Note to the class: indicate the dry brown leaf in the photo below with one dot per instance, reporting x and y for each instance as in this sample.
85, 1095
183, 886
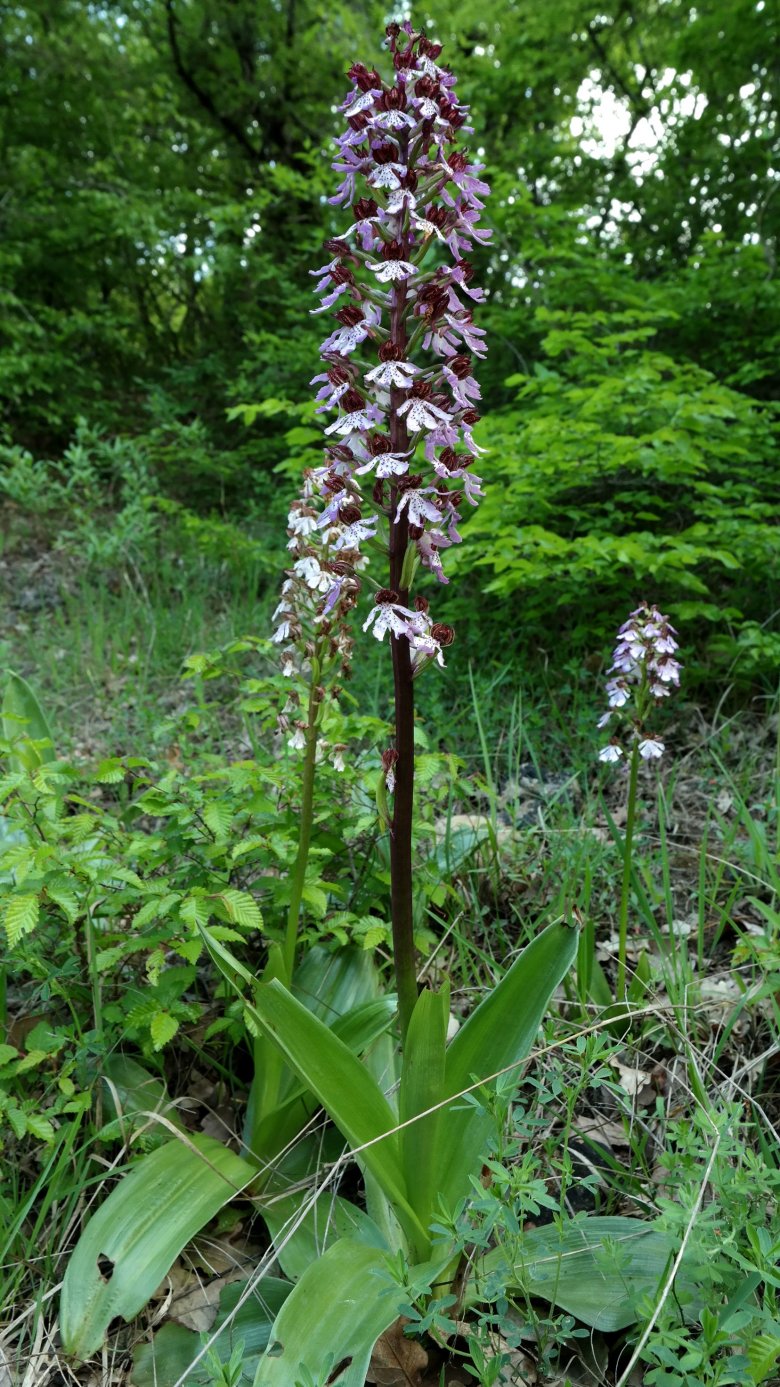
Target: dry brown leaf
197, 1308
634, 1081
396, 1360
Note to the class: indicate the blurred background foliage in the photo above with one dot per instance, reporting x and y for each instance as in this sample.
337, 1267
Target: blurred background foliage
165, 176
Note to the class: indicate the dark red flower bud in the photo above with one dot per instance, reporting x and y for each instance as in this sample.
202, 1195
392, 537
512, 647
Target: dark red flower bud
384, 595
403, 61
421, 390
364, 79
350, 315
438, 215
392, 250
421, 604
470, 416
338, 375
389, 759
336, 247
409, 180
458, 161
408, 483
460, 366
390, 351
393, 100
364, 209
441, 633
341, 275
449, 458
416, 532
358, 122
384, 154
429, 49
392, 31
340, 452
378, 492
441, 401
379, 443
349, 513
427, 87
352, 400
466, 268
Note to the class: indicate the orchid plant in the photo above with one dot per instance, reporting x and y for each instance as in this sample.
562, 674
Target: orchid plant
643, 673
417, 1119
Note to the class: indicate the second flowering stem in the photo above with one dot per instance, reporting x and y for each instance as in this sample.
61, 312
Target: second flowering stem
633, 777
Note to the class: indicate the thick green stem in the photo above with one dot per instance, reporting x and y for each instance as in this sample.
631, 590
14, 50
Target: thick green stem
633, 776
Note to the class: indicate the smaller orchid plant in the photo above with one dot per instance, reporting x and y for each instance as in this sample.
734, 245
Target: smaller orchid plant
643, 672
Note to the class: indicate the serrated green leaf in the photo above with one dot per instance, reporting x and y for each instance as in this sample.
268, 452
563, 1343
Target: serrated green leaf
40, 1127
240, 907
218, 814
195, 911
763, 1353
60, 889
21, 917
162, 1028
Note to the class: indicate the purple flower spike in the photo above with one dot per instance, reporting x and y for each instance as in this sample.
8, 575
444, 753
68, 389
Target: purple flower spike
643, 671
397, 363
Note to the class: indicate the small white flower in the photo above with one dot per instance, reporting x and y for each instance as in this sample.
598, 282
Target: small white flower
356, 422
389, 373
390, 270
650, 749
618, 693
389, 616
337, 757
604, 719
297, 742
282, 633
386, 176
362, 103
611, 752
423, 415
386, 464
418, 507
309, 570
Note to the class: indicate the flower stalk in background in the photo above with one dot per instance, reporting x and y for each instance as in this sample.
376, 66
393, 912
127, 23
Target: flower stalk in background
643, 672
397, 375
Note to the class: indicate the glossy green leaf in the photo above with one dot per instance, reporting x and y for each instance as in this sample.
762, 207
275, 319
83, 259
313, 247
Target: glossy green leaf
598, 1269
343, 1086
335, 1315
132, 1241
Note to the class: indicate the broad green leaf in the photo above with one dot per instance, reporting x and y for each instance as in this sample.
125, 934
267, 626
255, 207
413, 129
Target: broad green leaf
598, 1269
422, 1086
132, 1241
499, 1034
24, 725
339, 1308
344, 1088
162, 1028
